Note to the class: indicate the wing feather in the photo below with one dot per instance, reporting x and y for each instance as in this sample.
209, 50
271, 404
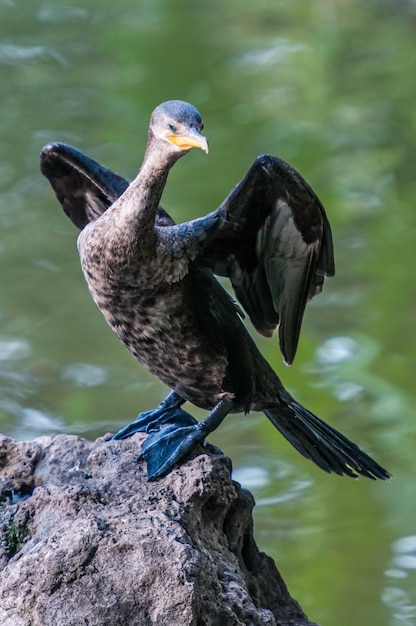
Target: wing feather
275, 244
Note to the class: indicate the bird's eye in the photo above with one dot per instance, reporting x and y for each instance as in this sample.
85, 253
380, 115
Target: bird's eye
172, 127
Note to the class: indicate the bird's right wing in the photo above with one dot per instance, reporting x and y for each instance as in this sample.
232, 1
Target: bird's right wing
84, 187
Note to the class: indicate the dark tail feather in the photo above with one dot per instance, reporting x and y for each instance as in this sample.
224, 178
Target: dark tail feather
321, 443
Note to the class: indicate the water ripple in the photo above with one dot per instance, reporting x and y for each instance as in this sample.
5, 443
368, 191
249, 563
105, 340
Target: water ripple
12, 349
400, 598
14, 54
85, 375
278, 49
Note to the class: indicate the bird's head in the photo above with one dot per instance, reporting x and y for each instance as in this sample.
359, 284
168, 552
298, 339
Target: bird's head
179, 125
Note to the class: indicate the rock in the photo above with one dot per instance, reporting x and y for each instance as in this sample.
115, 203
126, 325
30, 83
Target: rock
86, 540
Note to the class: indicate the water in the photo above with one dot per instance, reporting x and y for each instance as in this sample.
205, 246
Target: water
328, 86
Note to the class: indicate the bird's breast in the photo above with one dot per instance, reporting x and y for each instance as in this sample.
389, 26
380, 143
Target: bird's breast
158, 322
161, 332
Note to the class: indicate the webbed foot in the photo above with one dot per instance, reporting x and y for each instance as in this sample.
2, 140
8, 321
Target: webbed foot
170, 444
168, 412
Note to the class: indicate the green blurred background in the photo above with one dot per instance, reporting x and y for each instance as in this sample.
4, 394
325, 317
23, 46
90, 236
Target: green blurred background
330, 87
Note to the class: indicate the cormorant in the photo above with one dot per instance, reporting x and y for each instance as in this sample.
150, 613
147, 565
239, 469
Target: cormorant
154, 283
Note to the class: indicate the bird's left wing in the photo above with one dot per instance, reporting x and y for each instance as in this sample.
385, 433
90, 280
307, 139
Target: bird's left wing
273, 241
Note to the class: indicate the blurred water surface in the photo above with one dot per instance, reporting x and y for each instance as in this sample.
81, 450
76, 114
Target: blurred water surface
328, 86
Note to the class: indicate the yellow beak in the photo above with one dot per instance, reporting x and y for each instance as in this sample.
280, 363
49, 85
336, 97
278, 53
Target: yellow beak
192, 140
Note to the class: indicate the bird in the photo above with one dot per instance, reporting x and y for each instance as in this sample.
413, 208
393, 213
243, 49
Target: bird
155, 281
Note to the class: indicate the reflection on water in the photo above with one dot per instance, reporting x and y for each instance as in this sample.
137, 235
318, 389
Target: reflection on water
11, 349
336, 350
15, 381
270, 53
12, 54
328, 88
34, 423
251, 477
400, 594
273, 484
85, 374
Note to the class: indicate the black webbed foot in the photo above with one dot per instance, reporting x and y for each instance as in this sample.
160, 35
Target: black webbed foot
170, 444
168, 412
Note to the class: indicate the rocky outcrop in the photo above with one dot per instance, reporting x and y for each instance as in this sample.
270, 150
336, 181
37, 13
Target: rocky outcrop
86, 540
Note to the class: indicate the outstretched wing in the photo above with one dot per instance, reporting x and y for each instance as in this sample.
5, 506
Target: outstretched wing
274, 243
84, 187
270, 236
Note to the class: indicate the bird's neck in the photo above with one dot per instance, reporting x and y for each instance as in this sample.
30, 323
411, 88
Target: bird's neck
149, 183
128, 226
137, 207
